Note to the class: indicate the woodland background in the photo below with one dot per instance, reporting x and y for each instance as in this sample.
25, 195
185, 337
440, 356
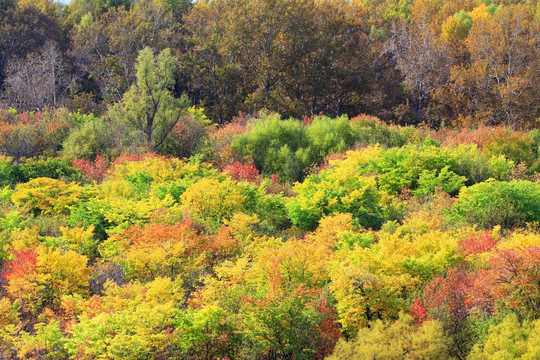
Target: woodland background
457, 63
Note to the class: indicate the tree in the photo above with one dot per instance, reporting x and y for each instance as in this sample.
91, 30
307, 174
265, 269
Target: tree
446, 299
401, 339
421, 59
494, 65
24, 30
150, 106
511, 284
503, 71
38, 80
106, 49
289, 324
45, 195
220, 203
297, 57
510, 340
491, 203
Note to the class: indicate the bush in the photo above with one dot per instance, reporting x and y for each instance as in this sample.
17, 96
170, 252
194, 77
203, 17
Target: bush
187, 134
417, 168
510, 340
32, 134
276, 146
12, 173
516, 146
369, 130
498, 203
399, 340
477, 167
93, 137
329, 193
327, 135
44, 195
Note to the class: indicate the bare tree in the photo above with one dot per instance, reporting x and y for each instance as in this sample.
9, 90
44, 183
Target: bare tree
421, 58
38, 80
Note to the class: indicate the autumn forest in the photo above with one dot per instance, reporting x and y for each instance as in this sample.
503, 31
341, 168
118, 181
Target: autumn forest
270, 179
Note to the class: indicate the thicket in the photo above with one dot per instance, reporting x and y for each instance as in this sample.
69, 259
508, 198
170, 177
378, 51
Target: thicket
275, 239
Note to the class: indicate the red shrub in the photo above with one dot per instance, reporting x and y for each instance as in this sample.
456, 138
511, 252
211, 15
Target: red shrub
95, 170
512, 283
243, 171
24, 263
478, 243
419, 312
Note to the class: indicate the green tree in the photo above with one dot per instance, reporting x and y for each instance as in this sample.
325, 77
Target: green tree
106, 48
150, 106
493, 203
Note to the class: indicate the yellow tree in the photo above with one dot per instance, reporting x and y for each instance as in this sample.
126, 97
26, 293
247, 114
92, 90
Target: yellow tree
501, 80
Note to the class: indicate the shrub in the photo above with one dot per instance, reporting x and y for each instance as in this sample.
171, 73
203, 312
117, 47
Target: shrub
93, 137
509, 340
187, 134
369, 130
478, 167
213, 207
95, 170
12, 173
329, 193
243, 171
44, 195
276, 146
327, 135
494, 202
398, 340
33, 134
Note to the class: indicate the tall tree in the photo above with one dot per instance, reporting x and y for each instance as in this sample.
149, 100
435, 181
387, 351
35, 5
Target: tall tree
38, 80
421, 59
107, 48
150, 106
297, 57
505, 65
24, 30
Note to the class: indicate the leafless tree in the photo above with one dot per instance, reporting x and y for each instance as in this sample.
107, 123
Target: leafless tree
421, 58
38, 80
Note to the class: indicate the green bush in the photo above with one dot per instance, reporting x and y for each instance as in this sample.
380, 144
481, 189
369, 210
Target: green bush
92, 137
477, 167
423, 168
12, 173
417, 168
329, 193
369, 130
494, 202
276, 146
327, 135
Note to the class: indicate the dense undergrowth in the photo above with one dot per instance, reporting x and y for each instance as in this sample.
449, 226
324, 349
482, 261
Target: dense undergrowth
270, 239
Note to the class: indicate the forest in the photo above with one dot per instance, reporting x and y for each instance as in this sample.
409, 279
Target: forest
440, 62
270, 179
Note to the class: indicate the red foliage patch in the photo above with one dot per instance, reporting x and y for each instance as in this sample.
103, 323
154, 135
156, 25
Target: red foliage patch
478, 243
24, 263
419, 312
243, 171
95, 170
329, 331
